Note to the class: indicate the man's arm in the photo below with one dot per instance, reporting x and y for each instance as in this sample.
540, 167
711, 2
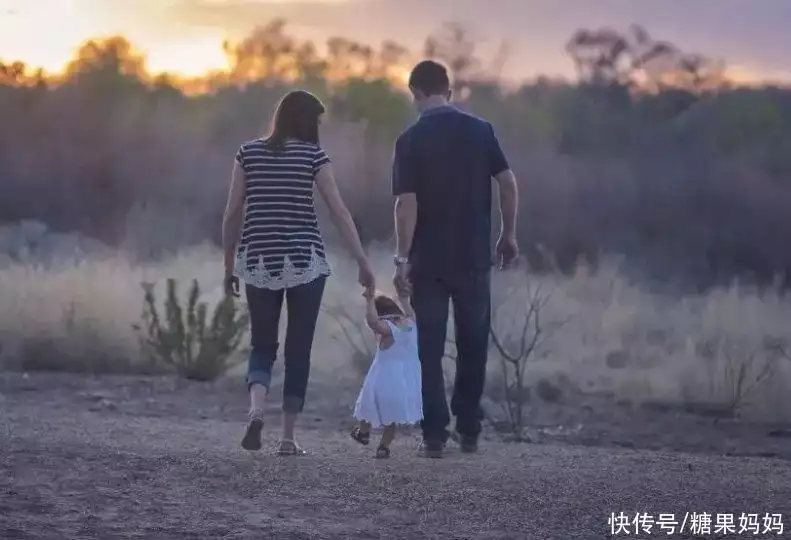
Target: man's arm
507, 249
404, 184
506, 186
509, 202
405, 221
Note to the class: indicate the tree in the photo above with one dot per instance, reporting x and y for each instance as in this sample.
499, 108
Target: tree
270, 54
13, 74
601, 57
453, 45
605, 57
349, 59
105, 58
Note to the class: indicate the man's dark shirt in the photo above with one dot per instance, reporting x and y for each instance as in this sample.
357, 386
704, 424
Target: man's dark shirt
447, 159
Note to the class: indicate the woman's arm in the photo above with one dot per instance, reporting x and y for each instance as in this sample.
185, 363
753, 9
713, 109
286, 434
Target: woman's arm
339, 214
233, 217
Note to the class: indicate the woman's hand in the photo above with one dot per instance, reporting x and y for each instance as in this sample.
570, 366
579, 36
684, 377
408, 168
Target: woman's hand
365, 275
232, 286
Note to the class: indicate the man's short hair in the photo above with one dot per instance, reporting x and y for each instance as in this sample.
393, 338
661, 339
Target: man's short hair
430, 77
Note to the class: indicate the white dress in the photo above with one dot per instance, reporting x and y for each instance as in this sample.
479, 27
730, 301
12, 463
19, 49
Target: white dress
391, 393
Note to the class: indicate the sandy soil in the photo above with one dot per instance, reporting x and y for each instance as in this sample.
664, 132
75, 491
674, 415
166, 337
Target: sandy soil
106, 458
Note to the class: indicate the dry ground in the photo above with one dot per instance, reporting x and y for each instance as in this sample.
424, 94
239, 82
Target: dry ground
106, 458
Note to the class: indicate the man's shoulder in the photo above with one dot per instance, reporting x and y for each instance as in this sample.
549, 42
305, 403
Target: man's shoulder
474, 120
456, 118
407, 133
405, 139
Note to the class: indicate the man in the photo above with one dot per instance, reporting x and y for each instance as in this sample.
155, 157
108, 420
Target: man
442, 172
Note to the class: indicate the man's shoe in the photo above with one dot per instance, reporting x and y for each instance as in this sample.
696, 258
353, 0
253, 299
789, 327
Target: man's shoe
468, 445
432, 449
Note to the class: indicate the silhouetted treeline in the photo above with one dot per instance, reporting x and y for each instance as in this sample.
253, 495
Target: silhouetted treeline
650, 154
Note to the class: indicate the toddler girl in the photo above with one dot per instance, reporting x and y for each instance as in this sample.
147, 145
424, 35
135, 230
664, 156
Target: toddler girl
391, 393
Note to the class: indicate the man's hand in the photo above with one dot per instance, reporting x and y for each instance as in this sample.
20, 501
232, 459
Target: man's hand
232, 286
507, 251
401, 281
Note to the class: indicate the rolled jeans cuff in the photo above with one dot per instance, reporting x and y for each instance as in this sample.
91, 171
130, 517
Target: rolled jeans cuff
258, 377
293, 404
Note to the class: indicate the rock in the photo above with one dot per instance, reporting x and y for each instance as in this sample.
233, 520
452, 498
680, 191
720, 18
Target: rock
530, 435
95, 396
103, 405
562, 431
548, 391
616, 359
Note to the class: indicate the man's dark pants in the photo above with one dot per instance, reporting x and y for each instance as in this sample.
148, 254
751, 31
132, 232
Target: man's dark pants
471, 298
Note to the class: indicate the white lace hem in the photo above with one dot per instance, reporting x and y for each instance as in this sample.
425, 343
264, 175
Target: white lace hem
376, 423
289, 277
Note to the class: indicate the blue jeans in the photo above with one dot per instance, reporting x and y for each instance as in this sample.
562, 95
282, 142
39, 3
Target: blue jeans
471, 297
303, 303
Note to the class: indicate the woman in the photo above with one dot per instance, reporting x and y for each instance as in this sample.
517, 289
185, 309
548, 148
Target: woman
272, 241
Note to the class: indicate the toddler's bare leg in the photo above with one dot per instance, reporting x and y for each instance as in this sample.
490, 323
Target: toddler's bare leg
387, 436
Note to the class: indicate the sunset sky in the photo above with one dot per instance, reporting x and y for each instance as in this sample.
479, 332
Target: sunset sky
186, 35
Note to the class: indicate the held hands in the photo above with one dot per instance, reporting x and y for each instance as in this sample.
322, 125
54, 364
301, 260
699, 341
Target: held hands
401, 281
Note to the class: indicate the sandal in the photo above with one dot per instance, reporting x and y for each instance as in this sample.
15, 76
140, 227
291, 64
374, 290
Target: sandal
290, 448
383, 452
360, 436
252, 435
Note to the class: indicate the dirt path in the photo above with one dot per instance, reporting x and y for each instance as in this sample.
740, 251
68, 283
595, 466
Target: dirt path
79, 468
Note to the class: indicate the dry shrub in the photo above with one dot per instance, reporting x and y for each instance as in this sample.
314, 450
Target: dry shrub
696, 352
520, 333
199, 346
619, 338
78, 316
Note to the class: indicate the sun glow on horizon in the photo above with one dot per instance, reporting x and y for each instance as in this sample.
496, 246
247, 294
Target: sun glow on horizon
190, 57
746, 76
48, 33
24, 34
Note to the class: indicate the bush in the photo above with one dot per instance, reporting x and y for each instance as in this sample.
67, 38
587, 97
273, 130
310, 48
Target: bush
184, 341
519, 332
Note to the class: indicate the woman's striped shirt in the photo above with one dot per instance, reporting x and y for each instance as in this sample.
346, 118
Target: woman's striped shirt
281, 245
